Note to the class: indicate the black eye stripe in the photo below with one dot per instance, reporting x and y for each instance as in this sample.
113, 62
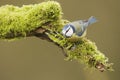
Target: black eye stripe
67, 30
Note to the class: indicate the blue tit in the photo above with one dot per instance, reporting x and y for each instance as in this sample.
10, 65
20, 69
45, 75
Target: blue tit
77, 27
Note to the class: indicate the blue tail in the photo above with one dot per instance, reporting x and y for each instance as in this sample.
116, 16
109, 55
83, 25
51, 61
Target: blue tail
92, 20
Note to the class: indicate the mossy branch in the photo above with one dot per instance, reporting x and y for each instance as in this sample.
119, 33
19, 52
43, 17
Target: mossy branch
45, 21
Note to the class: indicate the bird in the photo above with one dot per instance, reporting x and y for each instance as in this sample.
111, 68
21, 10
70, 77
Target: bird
77, 27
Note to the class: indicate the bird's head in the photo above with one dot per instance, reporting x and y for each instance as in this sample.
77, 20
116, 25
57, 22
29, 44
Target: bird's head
68, 30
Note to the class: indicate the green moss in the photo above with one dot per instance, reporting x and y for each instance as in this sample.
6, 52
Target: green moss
17, 22
82, 50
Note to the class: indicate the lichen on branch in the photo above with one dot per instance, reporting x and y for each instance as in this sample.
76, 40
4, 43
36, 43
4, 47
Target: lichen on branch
45, 21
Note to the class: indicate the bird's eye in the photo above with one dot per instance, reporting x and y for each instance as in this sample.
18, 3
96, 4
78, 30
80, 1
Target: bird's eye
67, 29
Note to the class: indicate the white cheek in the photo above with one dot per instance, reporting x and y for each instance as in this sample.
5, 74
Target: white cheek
69, 33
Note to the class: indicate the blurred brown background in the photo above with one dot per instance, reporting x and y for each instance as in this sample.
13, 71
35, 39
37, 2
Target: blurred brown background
36, 59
